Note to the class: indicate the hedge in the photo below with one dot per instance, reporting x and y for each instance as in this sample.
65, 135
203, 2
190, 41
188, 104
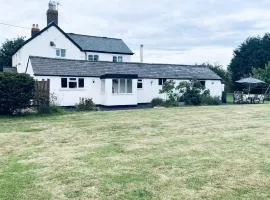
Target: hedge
16, 91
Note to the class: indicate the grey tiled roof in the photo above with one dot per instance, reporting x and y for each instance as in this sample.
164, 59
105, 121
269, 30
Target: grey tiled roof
63, 67
100, 44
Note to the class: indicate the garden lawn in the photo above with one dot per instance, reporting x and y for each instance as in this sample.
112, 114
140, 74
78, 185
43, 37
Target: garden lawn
218, 152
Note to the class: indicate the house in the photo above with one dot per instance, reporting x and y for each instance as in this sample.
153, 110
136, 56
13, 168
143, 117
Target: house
82, 66
112, 83
53, 42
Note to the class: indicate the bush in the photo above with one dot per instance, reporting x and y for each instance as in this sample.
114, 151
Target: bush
157, 102
208, 100
86, 104
16, 91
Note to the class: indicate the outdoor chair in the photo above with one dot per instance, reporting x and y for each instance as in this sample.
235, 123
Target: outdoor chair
238, 97
259, 99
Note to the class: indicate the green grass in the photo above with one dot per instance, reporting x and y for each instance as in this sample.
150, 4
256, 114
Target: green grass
229, 98
217, 152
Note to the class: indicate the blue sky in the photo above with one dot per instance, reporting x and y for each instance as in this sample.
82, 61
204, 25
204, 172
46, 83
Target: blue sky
172, 31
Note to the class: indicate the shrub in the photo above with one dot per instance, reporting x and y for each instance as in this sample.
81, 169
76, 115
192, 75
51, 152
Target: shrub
208, 100
86, 104
16, 91
157, 102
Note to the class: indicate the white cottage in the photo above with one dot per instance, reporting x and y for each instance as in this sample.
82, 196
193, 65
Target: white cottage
83, 66
115, 84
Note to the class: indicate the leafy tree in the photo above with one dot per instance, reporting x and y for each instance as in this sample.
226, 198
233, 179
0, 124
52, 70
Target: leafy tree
7, 49
224, 74
252, 53
262, 74
16, 90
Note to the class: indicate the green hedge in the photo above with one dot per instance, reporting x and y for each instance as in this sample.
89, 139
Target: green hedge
16, 91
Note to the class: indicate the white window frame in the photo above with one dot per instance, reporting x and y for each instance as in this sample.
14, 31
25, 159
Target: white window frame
119, 85
93, 56
62, 53
141, 82
118, 58
73, 80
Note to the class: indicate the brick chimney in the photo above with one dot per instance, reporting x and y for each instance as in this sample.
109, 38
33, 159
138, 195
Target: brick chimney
52, 13
35, 29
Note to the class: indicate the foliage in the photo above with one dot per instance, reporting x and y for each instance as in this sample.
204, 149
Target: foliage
224, 74
86, 104
157, 102
252, 53
209, 100
7, 49
168, 88
47, 104
16, 91
191, 93
262, 74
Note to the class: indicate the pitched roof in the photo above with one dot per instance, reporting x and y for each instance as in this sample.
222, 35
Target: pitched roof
100, 44
89, 43
82, 68
43, 30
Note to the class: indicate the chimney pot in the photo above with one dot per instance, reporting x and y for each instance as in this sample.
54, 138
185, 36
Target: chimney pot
34, 30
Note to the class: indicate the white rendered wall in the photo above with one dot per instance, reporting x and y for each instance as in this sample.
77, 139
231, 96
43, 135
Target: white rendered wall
71, 97
40, 46
216, 87
151, 89
109, 57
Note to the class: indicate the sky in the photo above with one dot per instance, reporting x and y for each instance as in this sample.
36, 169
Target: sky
172, 31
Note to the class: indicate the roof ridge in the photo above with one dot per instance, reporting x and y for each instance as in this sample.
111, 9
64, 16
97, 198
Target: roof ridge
65, 59
94, 36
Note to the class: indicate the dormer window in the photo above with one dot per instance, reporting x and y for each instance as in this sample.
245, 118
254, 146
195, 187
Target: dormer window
94, 58
117, 58
61, 53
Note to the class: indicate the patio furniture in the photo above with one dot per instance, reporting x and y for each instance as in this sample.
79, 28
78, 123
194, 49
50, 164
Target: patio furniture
250, 81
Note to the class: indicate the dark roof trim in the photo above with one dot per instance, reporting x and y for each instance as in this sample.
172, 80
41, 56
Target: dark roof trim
131, 76
43, 30
123, 76
108, 52
63, 76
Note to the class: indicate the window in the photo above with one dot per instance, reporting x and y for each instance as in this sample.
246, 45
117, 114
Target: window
93, 58
120, 58
96, 58
90, 57
64, 82
61, 52
161, 81
122, 86
202, 83
102, 86
139, 84
81, 82
117, 58
72, 82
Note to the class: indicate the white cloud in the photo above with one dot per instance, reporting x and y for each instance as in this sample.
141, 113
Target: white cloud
173, 31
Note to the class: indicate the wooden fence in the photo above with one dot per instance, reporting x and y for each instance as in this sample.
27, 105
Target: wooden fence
42, 93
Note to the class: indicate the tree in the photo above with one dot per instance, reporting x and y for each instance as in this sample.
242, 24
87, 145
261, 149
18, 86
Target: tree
252, 53
7, 49
262, 74
224, 74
